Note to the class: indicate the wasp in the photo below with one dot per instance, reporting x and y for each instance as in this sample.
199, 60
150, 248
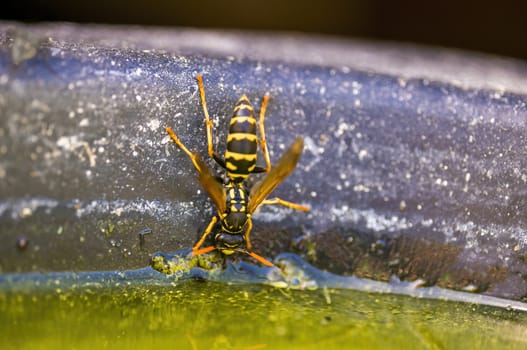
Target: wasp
234, 201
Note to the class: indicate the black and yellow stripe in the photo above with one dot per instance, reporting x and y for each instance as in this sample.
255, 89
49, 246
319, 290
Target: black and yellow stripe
235, 216
240, 155
236, 198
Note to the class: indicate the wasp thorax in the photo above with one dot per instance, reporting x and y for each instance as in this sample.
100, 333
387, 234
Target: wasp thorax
234, 221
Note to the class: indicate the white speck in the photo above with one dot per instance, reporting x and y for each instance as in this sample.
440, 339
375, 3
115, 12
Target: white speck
84, 122
363, 154
356, 87
361, 188
313, 194
470, 288
489, 174
26, 212
117, 211
154, 124
357, 103
467, 177
427, 222
341, 129
69, 142
441, 182
138, 98
300, 112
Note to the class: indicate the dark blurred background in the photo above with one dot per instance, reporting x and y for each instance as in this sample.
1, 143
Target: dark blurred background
497, 27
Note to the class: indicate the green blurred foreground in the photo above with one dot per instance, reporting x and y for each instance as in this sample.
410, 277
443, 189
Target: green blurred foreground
211, 315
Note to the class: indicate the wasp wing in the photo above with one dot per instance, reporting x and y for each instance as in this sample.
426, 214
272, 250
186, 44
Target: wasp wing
278, 173
214, 189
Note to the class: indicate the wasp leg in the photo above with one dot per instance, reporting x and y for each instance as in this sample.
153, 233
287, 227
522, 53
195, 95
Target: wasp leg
285, 204
249, 245
261, 259
248, 233
208, 230
208, 122
191, 155
203, 250
263, 142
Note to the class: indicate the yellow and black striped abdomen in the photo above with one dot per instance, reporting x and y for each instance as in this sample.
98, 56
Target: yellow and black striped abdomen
240, 156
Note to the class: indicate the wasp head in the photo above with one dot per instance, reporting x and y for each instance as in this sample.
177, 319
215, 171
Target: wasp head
228, 243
